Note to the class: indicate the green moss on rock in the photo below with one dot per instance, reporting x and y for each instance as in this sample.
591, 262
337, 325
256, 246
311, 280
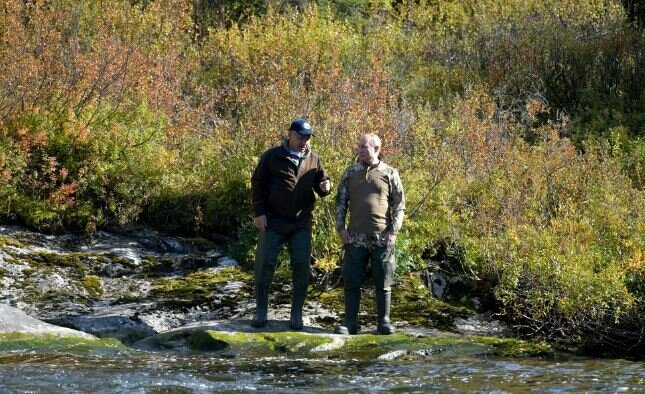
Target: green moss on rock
45, 343
197, 287
59, 297
92, 284
512, 347
358, 347
376, 346
247, 343
412, 302
205, 341
70, 260
193, 340
282, 342
115, 259
27, 272
333, 299
8, 241
149, 261
154, 267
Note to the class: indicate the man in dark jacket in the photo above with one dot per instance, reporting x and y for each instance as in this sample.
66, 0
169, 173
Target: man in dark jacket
283, 187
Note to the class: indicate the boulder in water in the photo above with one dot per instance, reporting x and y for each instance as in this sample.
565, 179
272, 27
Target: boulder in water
14, 320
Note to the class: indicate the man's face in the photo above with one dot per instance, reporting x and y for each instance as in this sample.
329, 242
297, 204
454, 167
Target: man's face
367, 153
297, 142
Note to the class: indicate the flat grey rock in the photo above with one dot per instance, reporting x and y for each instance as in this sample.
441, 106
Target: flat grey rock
14, 320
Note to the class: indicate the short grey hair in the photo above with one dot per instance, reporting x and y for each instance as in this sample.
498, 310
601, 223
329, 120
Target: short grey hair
372, 139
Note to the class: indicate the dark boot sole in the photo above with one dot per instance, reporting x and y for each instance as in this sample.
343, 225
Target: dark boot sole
385, 330
258, 323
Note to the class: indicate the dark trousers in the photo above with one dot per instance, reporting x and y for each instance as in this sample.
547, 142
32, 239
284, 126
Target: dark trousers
269, 246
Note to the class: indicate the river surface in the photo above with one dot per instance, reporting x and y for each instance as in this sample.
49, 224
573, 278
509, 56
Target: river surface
145, 372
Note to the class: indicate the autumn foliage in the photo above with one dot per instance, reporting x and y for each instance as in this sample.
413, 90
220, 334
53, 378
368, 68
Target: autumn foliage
517, 127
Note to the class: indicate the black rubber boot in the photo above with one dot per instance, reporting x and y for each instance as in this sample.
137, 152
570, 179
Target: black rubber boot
352, 305
383, 301
297, 303
261, 303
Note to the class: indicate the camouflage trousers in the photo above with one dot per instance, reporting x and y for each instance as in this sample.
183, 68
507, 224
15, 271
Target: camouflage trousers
357, 261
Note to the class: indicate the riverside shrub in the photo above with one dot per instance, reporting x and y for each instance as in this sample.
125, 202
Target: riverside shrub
114, 114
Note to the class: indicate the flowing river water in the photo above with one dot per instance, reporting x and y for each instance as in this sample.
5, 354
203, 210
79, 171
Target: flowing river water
150, 372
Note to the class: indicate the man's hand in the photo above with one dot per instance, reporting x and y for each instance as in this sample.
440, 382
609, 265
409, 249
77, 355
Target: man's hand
344, 236
391, 238
325, 185
260, 222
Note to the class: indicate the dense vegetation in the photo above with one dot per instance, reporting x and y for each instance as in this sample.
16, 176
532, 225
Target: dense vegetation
518, 128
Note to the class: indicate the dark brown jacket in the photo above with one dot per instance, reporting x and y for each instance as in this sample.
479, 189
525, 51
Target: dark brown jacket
283, 187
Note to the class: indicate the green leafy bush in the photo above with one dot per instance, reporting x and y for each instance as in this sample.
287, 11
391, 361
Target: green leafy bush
516, 127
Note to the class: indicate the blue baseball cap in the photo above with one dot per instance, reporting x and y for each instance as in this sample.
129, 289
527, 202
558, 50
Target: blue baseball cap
301, 127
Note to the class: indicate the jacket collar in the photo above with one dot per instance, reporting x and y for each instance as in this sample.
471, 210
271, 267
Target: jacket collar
370, 166
287, 151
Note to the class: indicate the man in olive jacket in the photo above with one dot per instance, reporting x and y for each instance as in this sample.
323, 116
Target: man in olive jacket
283, 187
372, 193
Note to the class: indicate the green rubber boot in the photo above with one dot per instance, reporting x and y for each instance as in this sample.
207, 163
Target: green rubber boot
352, 306
383, 301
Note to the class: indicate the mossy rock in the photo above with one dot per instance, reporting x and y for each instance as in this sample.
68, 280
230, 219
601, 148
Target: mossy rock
9, 241
191, 340
52, 343
73, 261
92, 285
234, 343
512, 347
285, 342
412, 302
197, 288
363, 347
404, 346
58, 297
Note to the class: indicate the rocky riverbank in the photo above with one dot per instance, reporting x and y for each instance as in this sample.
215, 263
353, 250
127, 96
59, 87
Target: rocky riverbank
157, 292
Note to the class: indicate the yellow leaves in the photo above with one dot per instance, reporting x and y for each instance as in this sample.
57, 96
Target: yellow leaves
562, 273
326, 263
635, 264
513, 236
